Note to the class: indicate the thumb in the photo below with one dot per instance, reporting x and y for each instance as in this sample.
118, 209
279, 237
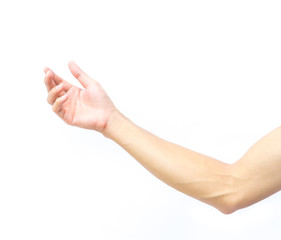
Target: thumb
82, 77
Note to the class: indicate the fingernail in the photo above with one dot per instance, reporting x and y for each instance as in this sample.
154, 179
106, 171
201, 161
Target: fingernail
60, 85
50, 72
63, 98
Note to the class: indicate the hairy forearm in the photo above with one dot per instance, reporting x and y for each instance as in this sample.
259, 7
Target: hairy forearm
227, 187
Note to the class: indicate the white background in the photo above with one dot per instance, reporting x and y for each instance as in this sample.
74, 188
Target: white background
203, 74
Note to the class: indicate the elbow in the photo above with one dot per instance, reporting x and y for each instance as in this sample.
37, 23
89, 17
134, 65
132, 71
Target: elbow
234, 198
226, 204
229, 205
227, 209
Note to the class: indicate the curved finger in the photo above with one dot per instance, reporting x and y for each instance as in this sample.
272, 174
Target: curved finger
57, 79
55, 92
49, 81
57, 106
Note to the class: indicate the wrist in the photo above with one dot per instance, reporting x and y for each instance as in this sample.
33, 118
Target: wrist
114, 124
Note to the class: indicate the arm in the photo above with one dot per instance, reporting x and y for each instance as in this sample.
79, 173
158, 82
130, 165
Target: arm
227, 187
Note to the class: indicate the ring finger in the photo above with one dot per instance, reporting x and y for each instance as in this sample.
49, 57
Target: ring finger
54, 93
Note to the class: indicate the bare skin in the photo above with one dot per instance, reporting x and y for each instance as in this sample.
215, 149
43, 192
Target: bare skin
227, 187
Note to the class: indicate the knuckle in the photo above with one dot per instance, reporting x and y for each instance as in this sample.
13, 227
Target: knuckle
46, 78
54, 108
48, 99
79, 75
52, 95
48, 81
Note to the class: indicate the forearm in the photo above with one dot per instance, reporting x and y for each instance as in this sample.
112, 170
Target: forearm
192, 173
227, 187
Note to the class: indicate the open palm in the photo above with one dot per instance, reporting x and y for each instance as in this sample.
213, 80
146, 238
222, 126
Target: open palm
88, 108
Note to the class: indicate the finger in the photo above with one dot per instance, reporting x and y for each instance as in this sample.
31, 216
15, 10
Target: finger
49, 81
82, 77
55, 92
57, 79
57, 106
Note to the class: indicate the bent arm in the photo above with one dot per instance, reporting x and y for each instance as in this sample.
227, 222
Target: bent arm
227, 187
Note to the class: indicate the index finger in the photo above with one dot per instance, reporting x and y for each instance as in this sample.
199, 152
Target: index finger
57, 79
49, 81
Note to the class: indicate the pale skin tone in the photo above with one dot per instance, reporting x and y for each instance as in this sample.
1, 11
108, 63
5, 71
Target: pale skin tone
227, 187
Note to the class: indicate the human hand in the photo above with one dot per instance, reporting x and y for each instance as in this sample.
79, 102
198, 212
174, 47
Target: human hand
89, 107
